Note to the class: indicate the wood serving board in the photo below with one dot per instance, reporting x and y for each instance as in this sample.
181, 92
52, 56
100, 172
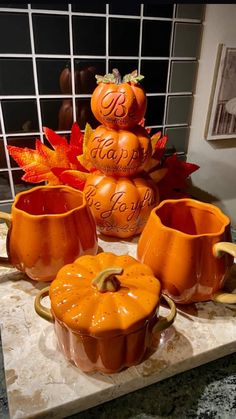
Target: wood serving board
41, 383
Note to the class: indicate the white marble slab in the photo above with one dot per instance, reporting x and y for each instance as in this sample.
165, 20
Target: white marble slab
41, 383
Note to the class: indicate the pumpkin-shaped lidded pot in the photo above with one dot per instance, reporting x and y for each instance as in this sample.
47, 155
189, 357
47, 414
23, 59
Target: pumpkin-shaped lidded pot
104, 308
119, 104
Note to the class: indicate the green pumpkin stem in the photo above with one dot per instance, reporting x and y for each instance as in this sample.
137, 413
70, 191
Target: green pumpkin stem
107, 281
115, 77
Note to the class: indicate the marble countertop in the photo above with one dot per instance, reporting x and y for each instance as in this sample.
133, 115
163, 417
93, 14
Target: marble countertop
208, 391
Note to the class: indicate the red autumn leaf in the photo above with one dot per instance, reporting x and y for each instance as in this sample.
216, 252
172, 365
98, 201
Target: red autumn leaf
159, 147
142, 123
45, 164
73, 178
174, 184
76, 145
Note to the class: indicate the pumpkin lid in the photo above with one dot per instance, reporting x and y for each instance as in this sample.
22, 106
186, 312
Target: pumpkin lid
119, 301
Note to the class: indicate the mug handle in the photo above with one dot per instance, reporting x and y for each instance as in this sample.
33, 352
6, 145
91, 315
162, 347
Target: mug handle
166, 322
4, 261
218, 250
41, 310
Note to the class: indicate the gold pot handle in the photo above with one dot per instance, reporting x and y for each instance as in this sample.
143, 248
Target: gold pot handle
166, 322
218, 250
4, 261
224, 297
41, 310
224, 247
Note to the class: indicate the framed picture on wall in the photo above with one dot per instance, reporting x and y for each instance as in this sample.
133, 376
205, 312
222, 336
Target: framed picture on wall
221, 118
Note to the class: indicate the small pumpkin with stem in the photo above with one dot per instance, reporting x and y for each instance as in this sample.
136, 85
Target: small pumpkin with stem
119, 103
105, 311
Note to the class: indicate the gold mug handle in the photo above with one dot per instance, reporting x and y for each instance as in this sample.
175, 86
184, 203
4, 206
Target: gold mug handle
218, 250
4, 261
40, 309
166, 322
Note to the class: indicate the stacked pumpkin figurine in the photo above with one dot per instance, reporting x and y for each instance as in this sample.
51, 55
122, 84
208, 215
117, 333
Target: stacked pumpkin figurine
120, 194
105, 307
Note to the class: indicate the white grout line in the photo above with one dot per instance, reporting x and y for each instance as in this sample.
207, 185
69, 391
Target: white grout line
72, 65
6, 201
96, 57
35, 134
35, 72
80, 95
170, 94
29, 134
169, 69
140, 39
107, 38
118, 16
59, 96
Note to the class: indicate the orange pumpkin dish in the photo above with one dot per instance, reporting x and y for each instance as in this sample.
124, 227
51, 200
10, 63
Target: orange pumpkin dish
104, 308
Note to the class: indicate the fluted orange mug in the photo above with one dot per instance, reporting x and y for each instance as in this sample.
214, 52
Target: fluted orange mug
49, 227
188, 245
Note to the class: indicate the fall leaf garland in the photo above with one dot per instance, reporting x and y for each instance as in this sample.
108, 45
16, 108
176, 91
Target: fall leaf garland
67, 162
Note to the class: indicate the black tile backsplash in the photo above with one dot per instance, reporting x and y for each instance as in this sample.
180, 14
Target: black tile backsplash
124, 36
5, 190
53, 76
124, 9
156, 38
85, 71
51, 34
93, 38
89, 35
16, 76
14, 5
50, 6
124, 66
3, 162
56, 113
190, 11
158, 10
14, 33
155, 75
20, 115
155, 110
84, 114
187, 40
88, 7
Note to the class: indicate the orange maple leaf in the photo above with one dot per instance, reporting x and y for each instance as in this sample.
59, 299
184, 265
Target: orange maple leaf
45, 164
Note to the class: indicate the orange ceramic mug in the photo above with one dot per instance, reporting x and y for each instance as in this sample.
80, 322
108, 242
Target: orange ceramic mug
187, 244
49, 226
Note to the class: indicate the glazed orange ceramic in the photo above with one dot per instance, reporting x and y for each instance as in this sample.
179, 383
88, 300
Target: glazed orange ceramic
105, 309
121, 206
49, 226
119, 104
119, 152
187, 244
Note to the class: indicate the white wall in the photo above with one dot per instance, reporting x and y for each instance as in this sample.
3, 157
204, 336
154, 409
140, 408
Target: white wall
215, 181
